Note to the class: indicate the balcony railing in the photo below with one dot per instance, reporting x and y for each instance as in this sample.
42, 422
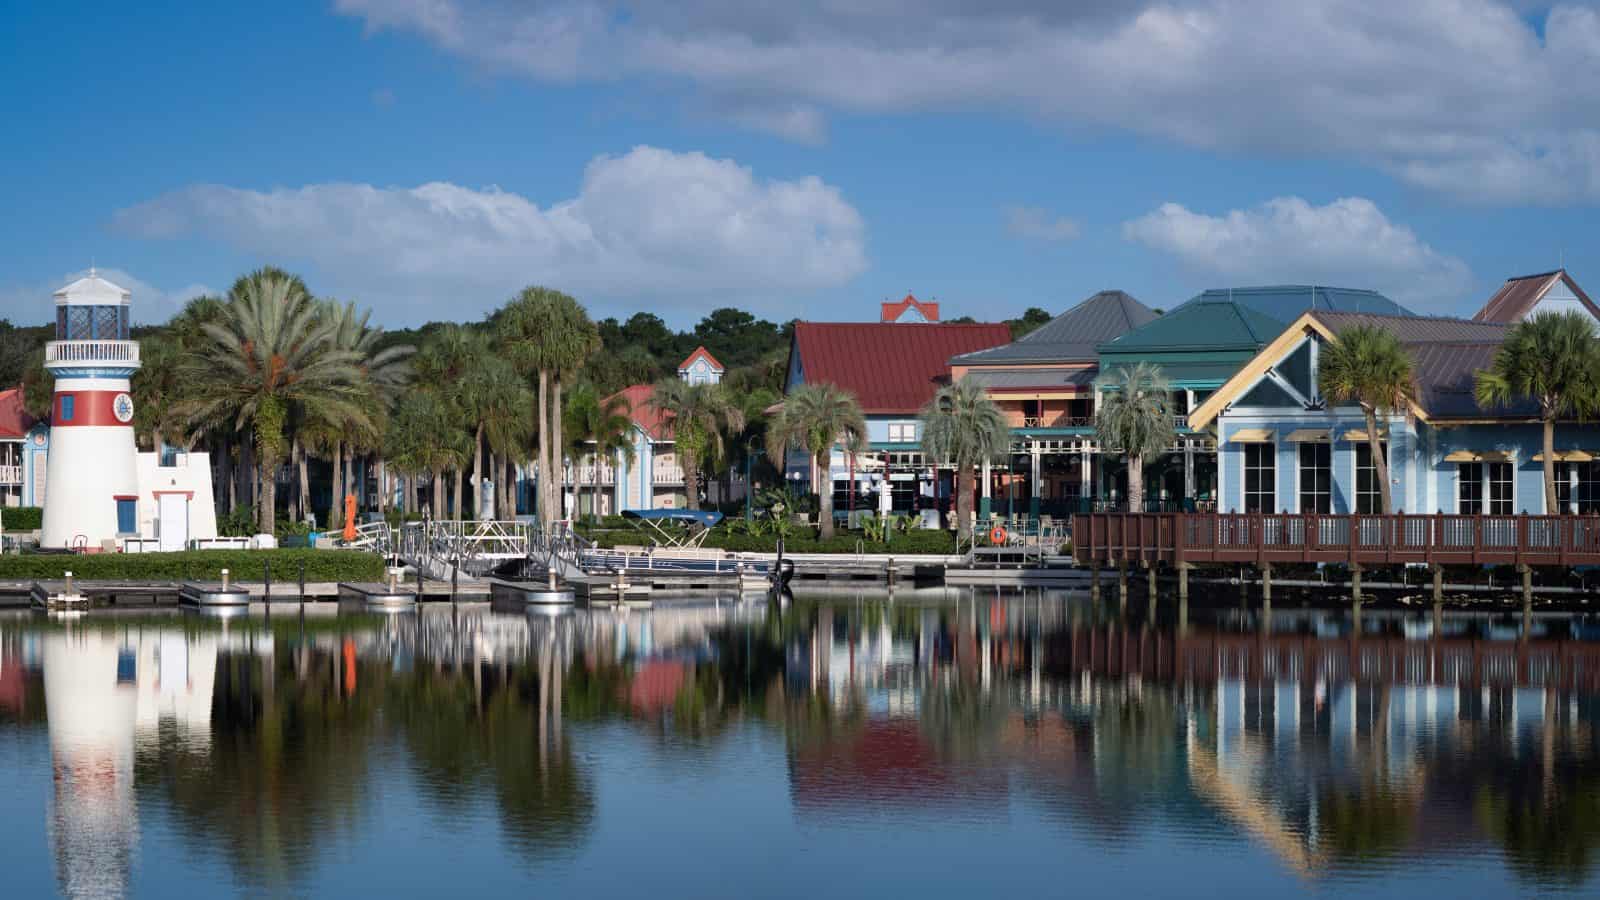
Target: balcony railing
10, 474
1058, 422
91, 352
585, 476
666, 473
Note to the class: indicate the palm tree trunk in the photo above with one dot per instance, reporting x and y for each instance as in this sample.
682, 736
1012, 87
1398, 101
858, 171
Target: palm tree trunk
231, 469
302, 482
498, 483
1380, 462
383, 486
347, 477
1135, 482
691, 480
825, 495
557, 469
437, 509
966, 484
543, 446
408, 495
336, 488
477, 473
1549, 424
266, 512
455, 495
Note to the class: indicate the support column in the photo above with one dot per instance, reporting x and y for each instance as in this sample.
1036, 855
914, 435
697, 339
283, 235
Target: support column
1183, 599
1266, 588
1086, 476
1438, 600
1122, 583
984, 504
1094, 582
1188, 470
1150, 581
1355, 596
1527, 601
1033, 482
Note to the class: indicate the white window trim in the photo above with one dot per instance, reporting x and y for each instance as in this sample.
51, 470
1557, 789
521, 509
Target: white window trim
1244, 465
1355, 473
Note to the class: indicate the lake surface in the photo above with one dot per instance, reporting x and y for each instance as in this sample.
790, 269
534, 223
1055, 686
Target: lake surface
938, 745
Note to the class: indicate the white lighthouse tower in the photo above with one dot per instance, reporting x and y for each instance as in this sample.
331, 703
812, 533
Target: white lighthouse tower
92, 473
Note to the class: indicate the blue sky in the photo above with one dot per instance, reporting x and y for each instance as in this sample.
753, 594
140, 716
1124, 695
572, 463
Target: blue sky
429, 157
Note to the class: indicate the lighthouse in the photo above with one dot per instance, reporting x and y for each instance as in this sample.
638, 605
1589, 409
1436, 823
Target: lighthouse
92, 472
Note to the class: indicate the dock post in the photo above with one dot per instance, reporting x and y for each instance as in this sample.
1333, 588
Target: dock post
1094, 582
68, 590
1122, 582
1527, 600
1183, 582
891, 573
1150, 580
266, 581
394, 578
1266, 591
302, 581
1355, 596
455, 575
224, 579
1438, 599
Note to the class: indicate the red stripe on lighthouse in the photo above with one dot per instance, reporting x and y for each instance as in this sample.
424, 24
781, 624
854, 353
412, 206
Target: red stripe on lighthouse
89, 408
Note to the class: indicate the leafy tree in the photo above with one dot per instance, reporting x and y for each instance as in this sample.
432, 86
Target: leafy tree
701, 415
598, 428
1135, 419
962, 427
814, 418
1366, 365
1552, 360
1032, 318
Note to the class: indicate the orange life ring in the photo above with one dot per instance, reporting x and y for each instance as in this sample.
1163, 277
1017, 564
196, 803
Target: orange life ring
997, 534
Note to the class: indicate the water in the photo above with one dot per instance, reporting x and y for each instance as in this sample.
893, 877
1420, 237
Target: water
939, 745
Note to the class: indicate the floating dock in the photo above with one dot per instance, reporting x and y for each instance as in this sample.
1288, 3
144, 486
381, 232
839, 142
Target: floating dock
531, 593
57, 595
377, 596
213, 593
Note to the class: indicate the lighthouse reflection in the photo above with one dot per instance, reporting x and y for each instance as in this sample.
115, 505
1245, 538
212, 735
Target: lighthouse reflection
107, 693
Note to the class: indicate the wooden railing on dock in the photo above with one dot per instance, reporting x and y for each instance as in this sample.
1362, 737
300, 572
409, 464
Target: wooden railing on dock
1256, 538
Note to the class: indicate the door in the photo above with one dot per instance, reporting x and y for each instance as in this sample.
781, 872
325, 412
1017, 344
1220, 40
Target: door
174, 521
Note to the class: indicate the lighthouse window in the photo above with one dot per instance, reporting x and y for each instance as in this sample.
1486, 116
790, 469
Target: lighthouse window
127, 516
66, 407
80, 325
105, 323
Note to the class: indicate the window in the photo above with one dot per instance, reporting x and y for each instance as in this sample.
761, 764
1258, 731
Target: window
80, 326
1369, 490
1316, 478
1260, 477
105, 323
1500, 489
127, 515
1469, 488
66, 407
902, 432
1578, 488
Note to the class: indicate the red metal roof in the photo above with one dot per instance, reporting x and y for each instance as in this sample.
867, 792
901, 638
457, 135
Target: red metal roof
14, 420
891, 368
698, 353
643, 412
892, 311
1519, 295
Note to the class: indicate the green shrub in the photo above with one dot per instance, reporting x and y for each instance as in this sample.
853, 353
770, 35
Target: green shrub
200, 565
22, 518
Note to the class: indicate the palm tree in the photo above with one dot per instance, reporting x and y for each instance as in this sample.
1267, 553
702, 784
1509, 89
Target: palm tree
1552, 360
701, 415
1367, 366
962, 427
814, 418
598, 428
546, 333
1135, 419
387, 368
425, 437
268, 351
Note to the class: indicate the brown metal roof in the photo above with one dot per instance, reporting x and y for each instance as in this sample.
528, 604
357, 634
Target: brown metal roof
1415, 329
890, 367
1518, 296
1444, 373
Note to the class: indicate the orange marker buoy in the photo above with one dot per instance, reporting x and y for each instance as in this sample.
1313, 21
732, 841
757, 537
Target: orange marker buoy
349, 517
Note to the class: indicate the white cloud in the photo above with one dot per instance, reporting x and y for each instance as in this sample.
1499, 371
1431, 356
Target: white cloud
1040, 224
1466, 97
32, 304
1349, 243
651, 222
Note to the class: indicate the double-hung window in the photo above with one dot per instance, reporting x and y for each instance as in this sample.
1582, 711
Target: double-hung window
1316, 478
1469, 488
1369, 488
1260, 477
1500, 488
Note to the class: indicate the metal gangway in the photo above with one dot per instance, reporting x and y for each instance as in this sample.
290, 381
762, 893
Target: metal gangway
443, 549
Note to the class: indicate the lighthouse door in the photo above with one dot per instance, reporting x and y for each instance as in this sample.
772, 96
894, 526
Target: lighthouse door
174, 510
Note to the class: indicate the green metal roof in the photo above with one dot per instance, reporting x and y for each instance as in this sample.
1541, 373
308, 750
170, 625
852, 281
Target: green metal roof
1199, 373
1199, 326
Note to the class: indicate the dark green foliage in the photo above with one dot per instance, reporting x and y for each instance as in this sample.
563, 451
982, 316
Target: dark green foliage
1033, 317
21, 518
206, 565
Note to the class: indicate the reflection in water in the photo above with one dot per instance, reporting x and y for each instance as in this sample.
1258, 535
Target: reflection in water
268, 744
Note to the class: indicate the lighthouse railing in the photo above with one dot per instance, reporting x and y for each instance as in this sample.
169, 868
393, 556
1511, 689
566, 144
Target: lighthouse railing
91, 351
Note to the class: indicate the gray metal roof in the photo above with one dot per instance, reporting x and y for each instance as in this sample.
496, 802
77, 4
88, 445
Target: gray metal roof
1417, 329
1043, 379
1071, 336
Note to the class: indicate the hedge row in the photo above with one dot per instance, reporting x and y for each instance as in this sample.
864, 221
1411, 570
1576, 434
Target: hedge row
22, 518
203, 565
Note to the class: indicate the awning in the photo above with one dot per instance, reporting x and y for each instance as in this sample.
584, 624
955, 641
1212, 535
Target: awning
1309, 436
1360, 434
1567, 456
1459, 456
1251, 436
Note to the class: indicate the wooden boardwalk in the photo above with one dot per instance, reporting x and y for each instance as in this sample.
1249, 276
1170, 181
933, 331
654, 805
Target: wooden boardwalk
1182, 539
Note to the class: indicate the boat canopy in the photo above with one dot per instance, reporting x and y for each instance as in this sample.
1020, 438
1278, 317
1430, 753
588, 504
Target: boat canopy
704, 517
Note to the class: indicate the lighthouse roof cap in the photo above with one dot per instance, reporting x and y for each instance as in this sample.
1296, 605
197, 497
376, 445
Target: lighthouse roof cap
92, 290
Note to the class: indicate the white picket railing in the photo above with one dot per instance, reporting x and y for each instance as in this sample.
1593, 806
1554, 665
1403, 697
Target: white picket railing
91, 351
